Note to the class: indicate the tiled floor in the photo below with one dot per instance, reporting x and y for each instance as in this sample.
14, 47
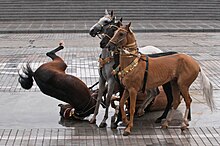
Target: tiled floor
83, 26
26, 120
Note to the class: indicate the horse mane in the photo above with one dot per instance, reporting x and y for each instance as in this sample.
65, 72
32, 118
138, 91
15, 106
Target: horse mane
162, 54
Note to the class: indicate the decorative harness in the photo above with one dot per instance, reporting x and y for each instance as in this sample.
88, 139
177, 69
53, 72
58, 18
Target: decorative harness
103, 61
128, 49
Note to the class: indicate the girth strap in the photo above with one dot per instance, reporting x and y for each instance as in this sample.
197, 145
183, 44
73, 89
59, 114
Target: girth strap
145, 75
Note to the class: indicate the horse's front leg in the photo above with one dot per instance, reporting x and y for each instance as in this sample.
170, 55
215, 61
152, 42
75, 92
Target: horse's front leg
121, 105
133, 95
111, 85
100, 94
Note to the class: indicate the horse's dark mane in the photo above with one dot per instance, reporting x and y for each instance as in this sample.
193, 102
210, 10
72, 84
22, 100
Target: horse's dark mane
162, 54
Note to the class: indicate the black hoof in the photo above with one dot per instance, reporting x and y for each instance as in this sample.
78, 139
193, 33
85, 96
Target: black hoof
102, 125
126, 133
158, 120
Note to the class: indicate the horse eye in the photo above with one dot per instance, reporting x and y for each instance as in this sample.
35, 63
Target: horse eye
121, 34
106, 21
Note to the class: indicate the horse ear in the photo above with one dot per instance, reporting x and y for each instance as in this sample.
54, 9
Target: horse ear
120, 19
128, 26
119, 23
114, 18
112, 13
106, 12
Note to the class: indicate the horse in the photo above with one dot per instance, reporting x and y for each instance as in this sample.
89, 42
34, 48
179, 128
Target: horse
107, 35
53, 81
99, 28
102, 24
107, 62
179, 69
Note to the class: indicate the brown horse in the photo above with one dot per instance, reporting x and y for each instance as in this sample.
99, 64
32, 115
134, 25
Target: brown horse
53, 81
179, 69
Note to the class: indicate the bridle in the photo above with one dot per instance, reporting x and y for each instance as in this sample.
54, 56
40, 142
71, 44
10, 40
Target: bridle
110, 26
128, 46
103, 25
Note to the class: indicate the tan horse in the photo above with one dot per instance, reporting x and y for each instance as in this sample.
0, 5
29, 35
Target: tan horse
180, 69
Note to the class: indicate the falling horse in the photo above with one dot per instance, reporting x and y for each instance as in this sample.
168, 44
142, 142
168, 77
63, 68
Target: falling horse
53, 81
179, 69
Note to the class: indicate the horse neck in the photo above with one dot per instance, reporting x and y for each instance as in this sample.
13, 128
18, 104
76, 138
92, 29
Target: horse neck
131, 46
105, 53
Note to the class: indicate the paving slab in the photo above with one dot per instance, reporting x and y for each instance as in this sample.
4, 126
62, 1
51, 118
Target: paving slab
32, 118
70, 26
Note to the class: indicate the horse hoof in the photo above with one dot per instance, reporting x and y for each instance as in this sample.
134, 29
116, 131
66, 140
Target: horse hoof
183, 128
114, 126
126, 133
187, 123
140, 113
92, 121
158, 120
164, 126
102, 125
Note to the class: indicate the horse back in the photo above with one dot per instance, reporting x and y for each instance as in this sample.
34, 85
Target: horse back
164, 69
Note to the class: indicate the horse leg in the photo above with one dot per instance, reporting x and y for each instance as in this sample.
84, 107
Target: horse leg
114, 124
111, 85
188, 100
52, 54
121, 105
168, 91
132, 95
150, 95
99, 98
176, 102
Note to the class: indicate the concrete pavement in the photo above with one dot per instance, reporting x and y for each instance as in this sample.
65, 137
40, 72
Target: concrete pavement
70, 26
32, 118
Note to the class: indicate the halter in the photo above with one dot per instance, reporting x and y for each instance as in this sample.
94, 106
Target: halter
128, 46
110, 26
102, 26
130, 50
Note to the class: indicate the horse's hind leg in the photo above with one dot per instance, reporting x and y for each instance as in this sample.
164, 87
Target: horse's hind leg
111, 85
52, 54
114, 124
100, 94
168, 91
185, 93
176, 102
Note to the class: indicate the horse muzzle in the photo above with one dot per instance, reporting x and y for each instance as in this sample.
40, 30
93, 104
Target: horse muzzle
95, 30
92, 32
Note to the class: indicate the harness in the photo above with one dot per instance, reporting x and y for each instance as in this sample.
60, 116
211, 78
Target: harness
145, 75
103, 61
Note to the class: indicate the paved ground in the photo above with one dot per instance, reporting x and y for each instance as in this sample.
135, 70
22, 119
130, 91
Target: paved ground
83, 26
31, 118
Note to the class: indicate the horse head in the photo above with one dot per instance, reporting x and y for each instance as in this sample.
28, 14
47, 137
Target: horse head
109, 32
123, 38
101, 25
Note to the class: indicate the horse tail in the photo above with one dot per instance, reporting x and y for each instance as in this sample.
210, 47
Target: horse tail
26, 76
207, 89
